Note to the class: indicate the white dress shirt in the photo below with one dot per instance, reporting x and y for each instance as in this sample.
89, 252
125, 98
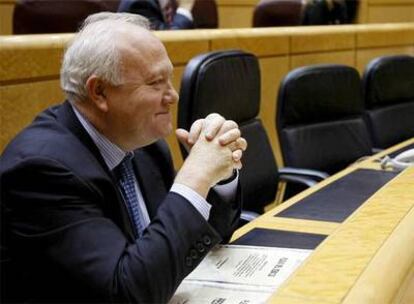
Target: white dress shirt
113, 155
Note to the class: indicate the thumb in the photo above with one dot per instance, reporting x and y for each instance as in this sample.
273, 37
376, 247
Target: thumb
182, 136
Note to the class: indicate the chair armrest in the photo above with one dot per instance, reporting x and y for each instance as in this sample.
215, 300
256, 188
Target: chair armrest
248, 216
310, 173
308, 182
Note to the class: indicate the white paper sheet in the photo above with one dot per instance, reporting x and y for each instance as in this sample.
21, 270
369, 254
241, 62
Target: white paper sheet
239, 274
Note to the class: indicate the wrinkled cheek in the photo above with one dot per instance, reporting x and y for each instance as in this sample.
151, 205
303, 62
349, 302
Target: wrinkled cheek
164, 124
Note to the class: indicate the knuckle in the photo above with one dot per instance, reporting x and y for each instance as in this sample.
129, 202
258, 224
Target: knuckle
232, 123
213, 116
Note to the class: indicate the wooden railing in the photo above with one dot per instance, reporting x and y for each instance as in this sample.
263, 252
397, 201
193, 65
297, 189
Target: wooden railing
29, 65
239, 13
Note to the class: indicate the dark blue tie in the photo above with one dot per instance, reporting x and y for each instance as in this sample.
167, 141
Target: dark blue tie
127, 185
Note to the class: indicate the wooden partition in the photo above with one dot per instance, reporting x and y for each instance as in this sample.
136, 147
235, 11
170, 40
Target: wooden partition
235, 13
382, 11
6, 16
239, 13
29, 65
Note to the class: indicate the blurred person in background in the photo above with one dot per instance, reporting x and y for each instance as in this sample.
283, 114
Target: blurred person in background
162, 14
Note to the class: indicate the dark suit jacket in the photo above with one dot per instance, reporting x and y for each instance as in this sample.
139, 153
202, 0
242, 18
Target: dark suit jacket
152, 11
66, 234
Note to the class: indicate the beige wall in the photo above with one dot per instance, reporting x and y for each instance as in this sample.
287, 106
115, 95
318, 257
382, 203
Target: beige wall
29, 65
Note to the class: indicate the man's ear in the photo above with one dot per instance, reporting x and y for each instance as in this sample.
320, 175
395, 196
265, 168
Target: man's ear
95, 88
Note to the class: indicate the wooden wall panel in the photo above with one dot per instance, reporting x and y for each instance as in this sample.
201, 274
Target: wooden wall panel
272, 71
20, 103
239, 13
235, 13
6, 16
30, 64
172, 140
341, 57
319, 39
31, 56
235, 17
263, 42
364, 56
184, 45
384, 35
387, 14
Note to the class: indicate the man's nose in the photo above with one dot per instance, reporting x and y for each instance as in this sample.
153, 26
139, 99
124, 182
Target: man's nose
171, 95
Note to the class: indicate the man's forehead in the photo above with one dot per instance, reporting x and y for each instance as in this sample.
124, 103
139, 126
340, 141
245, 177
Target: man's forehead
145, 58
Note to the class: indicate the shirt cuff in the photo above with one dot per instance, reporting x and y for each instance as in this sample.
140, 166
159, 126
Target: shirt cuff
185, 12
228, 191
202, 206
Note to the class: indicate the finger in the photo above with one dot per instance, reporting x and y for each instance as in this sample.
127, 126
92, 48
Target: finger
195, 131
227, 126
239, 143
237, 165
212, 125
182, 136
229, 136
237, 155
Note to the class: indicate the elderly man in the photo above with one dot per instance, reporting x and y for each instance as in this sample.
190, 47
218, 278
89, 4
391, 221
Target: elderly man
91, 209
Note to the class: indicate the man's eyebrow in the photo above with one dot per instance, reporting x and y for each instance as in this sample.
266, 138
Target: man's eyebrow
160, 72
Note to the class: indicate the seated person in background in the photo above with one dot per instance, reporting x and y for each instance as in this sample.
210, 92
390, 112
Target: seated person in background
162, 14
91, 209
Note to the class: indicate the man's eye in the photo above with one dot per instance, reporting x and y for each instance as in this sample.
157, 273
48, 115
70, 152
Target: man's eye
157, 82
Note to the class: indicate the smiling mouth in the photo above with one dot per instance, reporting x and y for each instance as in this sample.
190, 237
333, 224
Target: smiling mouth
164, 113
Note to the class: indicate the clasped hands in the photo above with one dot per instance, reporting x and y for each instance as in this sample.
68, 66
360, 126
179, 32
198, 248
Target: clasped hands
215, 148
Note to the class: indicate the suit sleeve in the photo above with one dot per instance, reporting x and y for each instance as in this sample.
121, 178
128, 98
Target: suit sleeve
57, 216
224, 216
181, 22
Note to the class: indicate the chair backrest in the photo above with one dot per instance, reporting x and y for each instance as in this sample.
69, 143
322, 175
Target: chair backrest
55, 16
228, 83
322, 12
389, 99
277, 13
319, 118
205, 14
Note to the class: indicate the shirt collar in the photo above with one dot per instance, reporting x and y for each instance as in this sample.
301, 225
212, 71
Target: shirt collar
111, 153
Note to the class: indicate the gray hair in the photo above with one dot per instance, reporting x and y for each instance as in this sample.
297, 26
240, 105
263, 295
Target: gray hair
94, 51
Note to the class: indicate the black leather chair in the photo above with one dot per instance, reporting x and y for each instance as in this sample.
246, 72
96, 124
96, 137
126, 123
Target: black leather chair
228, 83
205, 14
389, 99
56, 16
277, 13
320, 118
323, 12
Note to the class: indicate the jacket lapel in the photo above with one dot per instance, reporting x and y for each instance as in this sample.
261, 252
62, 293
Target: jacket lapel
119, 213
150, 181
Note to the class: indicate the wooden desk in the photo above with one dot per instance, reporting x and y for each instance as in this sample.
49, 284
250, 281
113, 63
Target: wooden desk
368, 258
